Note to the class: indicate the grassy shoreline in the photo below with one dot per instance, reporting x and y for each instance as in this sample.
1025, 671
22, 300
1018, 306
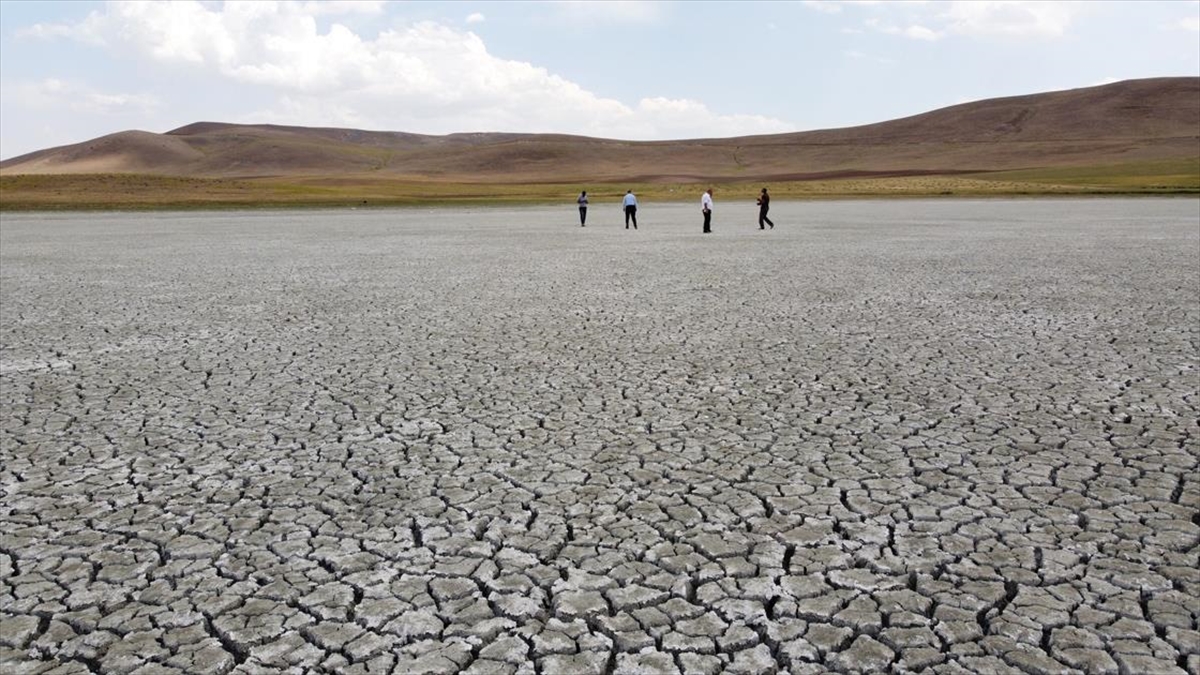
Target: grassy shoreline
119, 192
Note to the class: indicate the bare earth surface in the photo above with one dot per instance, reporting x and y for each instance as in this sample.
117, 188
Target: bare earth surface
928, 436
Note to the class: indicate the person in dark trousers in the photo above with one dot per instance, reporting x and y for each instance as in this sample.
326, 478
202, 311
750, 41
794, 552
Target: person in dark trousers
630, 204
764, 205
583, 202
706, 207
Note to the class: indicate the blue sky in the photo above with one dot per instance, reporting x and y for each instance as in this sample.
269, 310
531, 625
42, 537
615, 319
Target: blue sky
72, 71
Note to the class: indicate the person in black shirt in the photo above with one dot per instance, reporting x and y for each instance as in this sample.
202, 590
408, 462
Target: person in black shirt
764, 205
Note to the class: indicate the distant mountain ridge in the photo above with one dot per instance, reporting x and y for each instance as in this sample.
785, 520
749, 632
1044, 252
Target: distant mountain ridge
1130, 121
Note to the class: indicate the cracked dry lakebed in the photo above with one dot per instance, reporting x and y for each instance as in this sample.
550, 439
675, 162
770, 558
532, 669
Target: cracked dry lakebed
924, 436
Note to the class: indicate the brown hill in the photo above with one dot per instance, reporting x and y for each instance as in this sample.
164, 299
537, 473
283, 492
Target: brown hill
1135, 120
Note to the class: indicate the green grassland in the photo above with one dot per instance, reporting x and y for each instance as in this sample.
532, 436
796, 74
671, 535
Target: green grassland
145, 192
1174, 176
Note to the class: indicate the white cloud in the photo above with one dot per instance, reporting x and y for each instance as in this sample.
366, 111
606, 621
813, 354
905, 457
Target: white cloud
56, 94
475, 17
825, 6
915, 32
611, 11
88, 31
692, 119
835, 6
46, 30
921, 33
318, 7
862, 56
1190, 23
1013, 18
935, 20
424, 77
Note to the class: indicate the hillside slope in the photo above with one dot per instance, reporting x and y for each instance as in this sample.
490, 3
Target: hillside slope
1131, 121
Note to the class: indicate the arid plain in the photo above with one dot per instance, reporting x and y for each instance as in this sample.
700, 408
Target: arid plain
912, 436
1132, 137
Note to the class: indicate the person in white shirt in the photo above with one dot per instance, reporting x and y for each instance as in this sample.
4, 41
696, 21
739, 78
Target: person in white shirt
706, 207
630, 204
583, 202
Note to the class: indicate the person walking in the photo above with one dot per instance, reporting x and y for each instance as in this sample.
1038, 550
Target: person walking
764, 205
583, 202
630, 204
706, 207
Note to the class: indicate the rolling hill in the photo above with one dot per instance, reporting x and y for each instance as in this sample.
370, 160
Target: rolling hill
1131, 121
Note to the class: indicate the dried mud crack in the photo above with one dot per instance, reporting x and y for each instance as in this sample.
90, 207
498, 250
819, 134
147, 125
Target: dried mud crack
918, 437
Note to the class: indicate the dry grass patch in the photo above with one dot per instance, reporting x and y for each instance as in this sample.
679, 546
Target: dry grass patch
132, 191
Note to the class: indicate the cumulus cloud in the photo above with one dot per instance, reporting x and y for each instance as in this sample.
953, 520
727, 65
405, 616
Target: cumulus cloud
475, 17
424, 77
